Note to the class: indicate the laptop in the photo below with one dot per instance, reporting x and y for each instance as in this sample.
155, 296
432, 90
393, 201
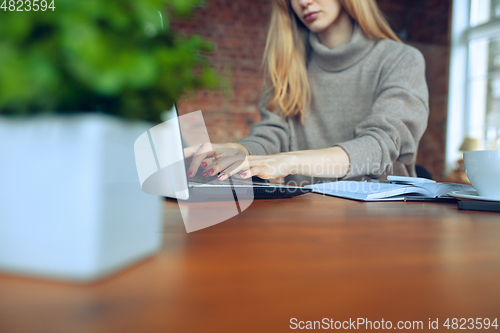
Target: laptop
162, 170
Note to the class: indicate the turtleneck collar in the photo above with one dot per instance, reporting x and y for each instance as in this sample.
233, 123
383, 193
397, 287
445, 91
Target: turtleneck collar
344, 56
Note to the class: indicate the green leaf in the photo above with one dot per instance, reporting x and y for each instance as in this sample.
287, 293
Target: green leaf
115, 56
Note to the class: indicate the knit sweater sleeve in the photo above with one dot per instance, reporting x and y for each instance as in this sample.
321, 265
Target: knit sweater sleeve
269, 136
397, 121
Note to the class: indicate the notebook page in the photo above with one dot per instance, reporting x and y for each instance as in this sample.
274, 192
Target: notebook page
365, 191
442, 189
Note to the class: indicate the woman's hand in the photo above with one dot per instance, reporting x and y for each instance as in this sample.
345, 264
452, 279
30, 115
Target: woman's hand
228, 159
328, 162
265, 167
231, 158
204, 155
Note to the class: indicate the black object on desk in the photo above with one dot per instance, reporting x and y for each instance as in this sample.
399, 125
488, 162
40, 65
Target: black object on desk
485, 206
426, 199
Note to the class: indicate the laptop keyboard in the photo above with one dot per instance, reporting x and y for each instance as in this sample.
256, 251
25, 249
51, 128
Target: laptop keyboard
215, 181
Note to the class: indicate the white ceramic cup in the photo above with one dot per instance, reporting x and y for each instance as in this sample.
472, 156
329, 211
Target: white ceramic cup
482, 167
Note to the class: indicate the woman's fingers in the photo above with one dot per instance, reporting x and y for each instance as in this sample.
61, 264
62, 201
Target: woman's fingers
253, 171
191, 150
205, 154
229, 171
218, 153
203, 151
206, 162
222, 163
237, 166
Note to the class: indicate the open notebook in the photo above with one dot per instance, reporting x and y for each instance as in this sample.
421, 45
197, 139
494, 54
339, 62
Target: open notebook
414, 189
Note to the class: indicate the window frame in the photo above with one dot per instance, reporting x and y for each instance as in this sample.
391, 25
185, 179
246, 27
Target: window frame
458, 95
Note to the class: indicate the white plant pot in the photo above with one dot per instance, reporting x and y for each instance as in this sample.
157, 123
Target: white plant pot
71, 205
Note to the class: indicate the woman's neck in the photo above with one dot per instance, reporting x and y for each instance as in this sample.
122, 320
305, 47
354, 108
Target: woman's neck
338, 33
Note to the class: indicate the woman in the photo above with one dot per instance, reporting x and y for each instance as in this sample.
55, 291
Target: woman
344, 99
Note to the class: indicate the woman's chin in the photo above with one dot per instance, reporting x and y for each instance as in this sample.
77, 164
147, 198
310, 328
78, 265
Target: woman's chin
316, 28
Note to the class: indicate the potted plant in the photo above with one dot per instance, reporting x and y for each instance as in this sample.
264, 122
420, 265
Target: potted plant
79, 82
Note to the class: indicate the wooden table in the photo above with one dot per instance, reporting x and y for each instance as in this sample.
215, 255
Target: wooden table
310, 257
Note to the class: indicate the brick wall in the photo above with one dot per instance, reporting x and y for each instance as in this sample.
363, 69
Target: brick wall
238, 30
425, 24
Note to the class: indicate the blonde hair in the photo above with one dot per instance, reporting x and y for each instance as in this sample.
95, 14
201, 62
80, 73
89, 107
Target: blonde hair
285, 55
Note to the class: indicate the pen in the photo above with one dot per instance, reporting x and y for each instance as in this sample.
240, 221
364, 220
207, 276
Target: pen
383, 181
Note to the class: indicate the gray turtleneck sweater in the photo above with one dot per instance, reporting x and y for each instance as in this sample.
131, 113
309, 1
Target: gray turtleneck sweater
369, 97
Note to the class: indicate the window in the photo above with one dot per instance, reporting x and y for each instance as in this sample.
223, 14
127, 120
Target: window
482, 11
474, 95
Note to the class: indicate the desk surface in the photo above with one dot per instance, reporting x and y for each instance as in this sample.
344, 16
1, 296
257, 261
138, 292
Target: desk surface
310, 257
